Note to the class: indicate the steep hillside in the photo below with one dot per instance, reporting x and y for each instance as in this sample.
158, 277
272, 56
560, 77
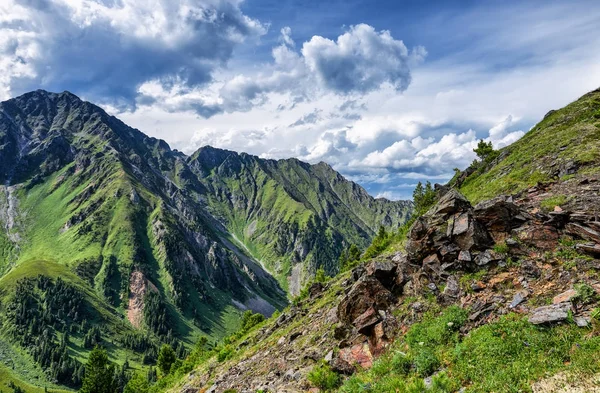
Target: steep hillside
110, 237
293, 216
487, 295
564, 144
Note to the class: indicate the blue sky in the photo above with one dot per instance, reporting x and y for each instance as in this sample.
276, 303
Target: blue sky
388, 92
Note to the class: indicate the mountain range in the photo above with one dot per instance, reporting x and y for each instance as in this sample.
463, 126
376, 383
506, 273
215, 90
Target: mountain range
157, 242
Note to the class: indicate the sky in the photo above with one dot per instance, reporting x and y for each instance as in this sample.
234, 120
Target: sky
387, 92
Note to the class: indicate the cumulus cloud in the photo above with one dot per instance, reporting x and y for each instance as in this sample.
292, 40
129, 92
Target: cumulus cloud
361, 60
108, 49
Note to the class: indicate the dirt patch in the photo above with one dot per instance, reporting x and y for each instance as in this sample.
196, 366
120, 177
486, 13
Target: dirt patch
137, 290
563, 383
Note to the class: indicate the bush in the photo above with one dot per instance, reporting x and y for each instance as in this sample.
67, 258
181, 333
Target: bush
225, 353
426, 362
585, 293
324, 378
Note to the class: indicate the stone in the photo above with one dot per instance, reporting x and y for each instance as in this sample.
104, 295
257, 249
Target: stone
546, 314
589, 249
583, 232
341, 366
484, 258
478, 286
384, 271
452, 288
365, 322
566, 296
315, 289
464, 256
581, 321
359, 354
517, 299
530, 269
544, 237
452, 202
367, 292
281, 340
329, 357
500, 215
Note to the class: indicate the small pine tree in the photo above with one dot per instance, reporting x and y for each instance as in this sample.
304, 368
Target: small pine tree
166, 357
137, 384
98, 373
483, 150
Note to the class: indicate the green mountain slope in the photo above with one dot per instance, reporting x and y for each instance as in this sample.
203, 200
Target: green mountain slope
108, 236
292, 216
565, 142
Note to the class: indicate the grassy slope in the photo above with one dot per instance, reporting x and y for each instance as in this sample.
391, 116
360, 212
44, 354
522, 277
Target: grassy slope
570, 134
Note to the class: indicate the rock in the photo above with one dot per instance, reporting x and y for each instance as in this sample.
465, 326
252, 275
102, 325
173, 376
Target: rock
530, 269
329, 357
589, 249
451, 203
540, 236
189, 389
583, 232
315, 289
365, 322
342, 332
484, 258
478, 286
366, 293
474, 236
554, 313
384, 271
359, 354
358, 272
341, 366
464, 256
281, 340
294, 336
566, 296
452, 288
517, 299
581, 321
499, 215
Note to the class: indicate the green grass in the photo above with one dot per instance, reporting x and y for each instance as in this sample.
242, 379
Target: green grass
503, 356
549, 203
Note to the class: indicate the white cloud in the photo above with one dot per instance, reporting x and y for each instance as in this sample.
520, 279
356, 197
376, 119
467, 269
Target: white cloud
108, 49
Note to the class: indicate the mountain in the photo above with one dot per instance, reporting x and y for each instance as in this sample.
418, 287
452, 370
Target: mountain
494, 289
110, 236
293, 216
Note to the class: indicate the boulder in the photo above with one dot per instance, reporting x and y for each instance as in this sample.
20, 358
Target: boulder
366, 293
450, 203
544, 237
384, 271
499, 215
546, 314
452, 288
